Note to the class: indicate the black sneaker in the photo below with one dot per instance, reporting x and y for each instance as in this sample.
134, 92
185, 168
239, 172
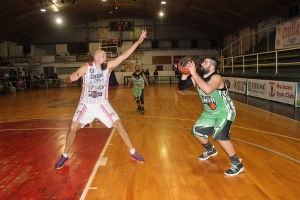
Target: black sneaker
143, 110
235, 168
138, 109
208, 154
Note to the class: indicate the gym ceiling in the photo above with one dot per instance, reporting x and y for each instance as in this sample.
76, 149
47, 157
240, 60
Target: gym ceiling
23, 21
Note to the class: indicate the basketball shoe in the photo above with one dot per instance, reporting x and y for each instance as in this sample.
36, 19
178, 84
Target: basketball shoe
235, 168
143, 110
60, 163
208, 154
137, 157
138, 109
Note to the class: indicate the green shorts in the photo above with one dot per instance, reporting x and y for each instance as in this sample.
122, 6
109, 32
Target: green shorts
206, 126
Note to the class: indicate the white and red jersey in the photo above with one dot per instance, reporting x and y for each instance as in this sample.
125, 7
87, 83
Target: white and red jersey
94, 85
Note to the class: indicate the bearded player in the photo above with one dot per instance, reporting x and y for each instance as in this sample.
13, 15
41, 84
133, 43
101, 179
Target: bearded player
94, 104
138, 79
219, 111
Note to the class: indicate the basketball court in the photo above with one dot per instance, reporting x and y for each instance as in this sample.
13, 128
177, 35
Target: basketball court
34, 125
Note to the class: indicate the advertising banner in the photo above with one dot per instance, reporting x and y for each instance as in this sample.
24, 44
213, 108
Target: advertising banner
65, 58
280, 91
129, 65
297, 102
84, 58
288, 35
238, 85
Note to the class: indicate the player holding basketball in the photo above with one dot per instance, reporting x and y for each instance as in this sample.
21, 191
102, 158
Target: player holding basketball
138, 79
93, 101
219, 111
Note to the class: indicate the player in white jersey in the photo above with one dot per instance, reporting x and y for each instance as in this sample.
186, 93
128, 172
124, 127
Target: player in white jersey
93, 100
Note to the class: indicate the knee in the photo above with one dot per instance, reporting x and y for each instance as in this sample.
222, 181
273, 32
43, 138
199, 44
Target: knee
202, 132
221, 137
117, 124
73, 129
137, 99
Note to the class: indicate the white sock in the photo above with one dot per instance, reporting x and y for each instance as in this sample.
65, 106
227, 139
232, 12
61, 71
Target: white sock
132, 151
65, 155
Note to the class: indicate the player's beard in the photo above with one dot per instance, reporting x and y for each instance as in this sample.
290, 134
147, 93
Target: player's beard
203, 71
137, 70
103, 66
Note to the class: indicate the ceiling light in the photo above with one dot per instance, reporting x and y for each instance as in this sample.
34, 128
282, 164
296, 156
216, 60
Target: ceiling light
163, 2
43, 9
58, 20
161, 14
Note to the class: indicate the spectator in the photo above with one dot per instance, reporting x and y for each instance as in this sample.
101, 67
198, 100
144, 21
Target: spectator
42, 78
155, 73
177, 73
147, 73
6, 76
55, 79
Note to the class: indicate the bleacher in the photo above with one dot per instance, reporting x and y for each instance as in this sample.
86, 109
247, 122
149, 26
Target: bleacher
258, 63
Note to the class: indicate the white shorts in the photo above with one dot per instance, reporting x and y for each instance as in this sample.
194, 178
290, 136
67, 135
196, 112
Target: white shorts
86, 113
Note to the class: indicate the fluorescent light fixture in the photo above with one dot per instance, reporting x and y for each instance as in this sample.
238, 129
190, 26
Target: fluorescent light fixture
163, 2
43, 9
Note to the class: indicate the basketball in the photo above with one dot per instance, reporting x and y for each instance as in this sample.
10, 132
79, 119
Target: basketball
182, 65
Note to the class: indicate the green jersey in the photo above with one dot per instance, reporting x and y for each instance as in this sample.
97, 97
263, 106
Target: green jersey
218, 103
138, 83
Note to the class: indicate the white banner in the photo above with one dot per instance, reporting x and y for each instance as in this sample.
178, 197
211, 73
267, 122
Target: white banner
238, 85
288, 35
280, 91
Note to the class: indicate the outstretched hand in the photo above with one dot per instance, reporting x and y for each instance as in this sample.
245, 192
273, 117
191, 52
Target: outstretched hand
142, 37
74, 77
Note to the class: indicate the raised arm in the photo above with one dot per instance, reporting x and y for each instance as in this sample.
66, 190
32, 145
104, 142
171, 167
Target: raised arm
116, 62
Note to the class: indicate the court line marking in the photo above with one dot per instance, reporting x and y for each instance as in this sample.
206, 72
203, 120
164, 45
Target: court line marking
298, 161
22, 129
267, 132
267, 110
232, 126
100, 162
262, 147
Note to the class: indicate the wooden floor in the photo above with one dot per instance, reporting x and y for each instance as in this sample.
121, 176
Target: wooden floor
269, 145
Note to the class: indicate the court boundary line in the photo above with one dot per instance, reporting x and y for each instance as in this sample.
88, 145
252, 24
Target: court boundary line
92, 176
262, 147
231, 126
267, 110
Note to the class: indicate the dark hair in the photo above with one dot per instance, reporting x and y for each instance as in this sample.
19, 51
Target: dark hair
214, 62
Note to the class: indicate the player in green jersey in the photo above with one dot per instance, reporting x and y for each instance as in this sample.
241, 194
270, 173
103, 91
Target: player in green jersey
138, 80
219, 111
